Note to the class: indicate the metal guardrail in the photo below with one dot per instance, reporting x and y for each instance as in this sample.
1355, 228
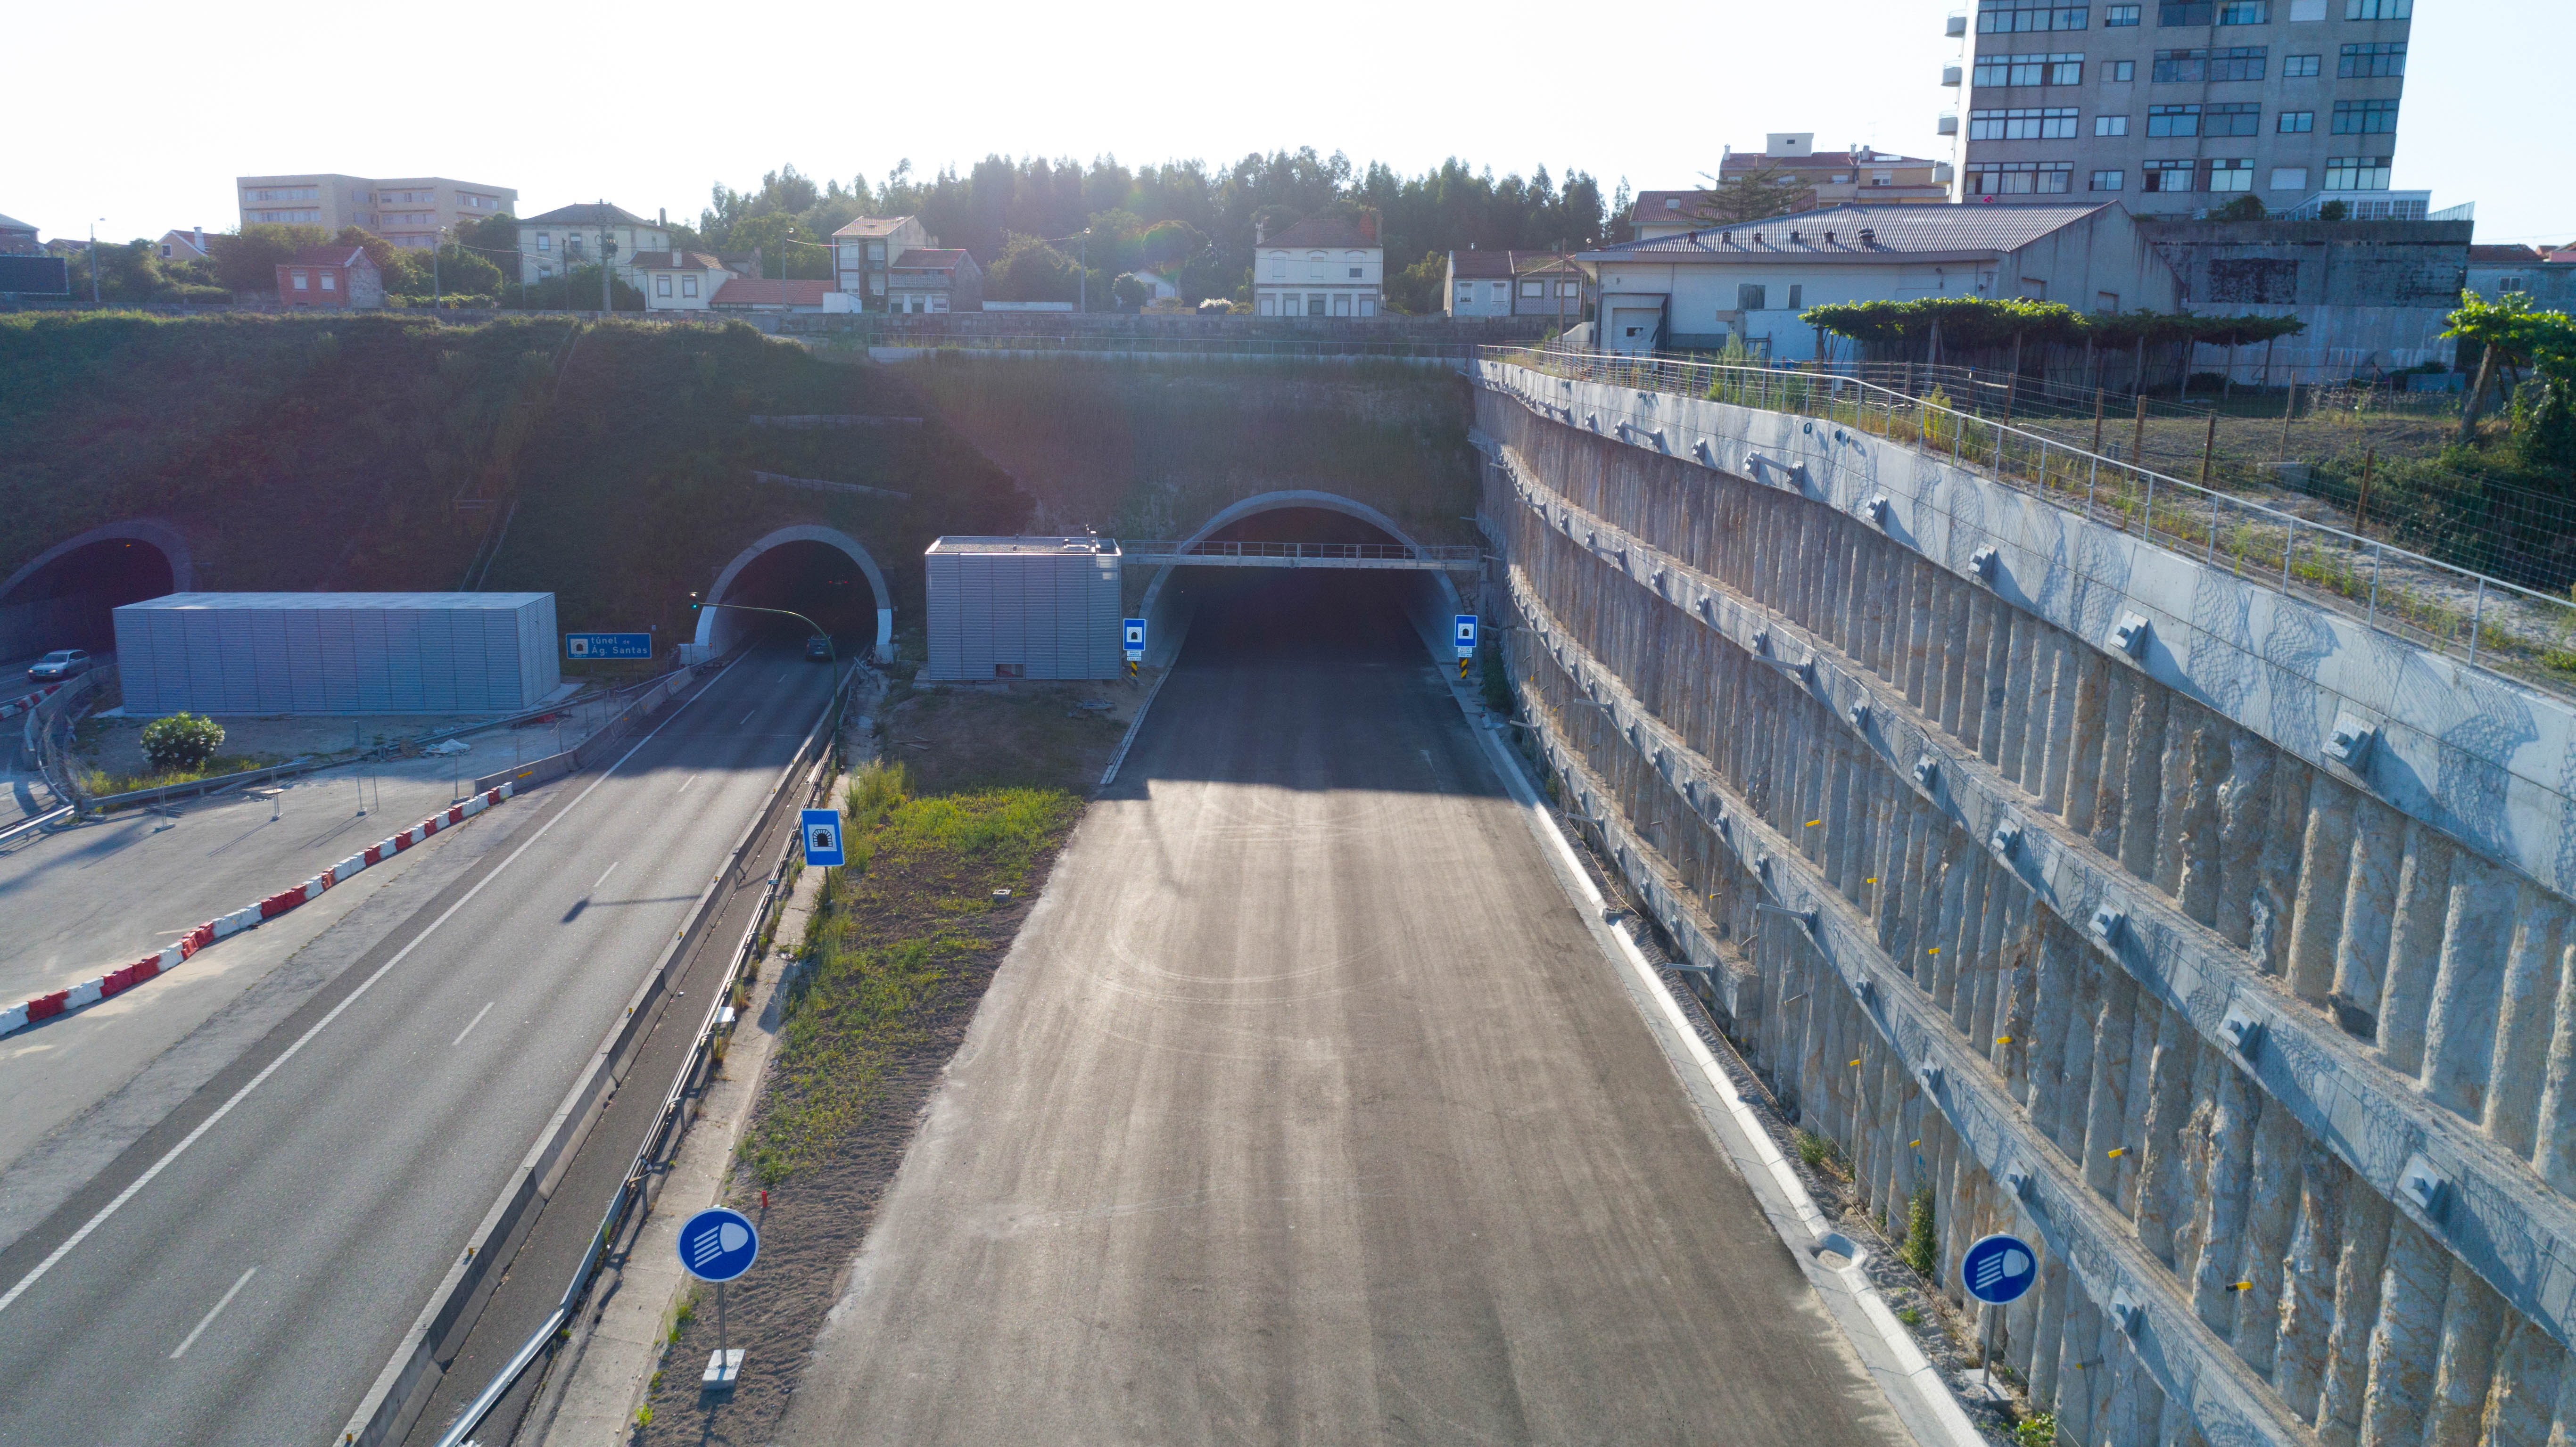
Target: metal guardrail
1171, 346
670, 1122
1174, 550
2507, 629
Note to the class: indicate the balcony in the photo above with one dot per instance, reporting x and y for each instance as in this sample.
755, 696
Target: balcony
1949, 75
1958, 24
1949, 125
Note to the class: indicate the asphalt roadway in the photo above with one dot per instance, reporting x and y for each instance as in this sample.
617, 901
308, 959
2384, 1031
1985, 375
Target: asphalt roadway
1306, 1109
243, 1273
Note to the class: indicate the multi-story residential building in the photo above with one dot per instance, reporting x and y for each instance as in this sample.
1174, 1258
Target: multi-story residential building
866, 251
411, 211
1514, 284
2182, 105
1324, 266
576, 236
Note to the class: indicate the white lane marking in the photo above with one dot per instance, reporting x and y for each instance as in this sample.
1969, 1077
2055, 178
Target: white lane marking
256, 1081
191, 1339
603, 876
470, 1024
693, 778
746, 718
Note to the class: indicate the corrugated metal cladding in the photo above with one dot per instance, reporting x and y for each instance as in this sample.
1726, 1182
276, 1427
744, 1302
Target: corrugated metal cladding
1023, 608
337, 652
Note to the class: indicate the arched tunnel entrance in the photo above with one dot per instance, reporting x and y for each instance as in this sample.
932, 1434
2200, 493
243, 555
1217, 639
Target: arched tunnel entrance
816, 571
1316, 613
67, 596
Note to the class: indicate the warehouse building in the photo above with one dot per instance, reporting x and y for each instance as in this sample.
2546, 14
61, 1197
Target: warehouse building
269, 653
1023, 608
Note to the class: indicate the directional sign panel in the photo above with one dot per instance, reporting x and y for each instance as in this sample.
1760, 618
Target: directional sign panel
1998, 1269
1135, 632
1466, 635
822, 831
718, 1244
608, 645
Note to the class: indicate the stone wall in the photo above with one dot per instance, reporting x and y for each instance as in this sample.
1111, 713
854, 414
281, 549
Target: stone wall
2273, 1052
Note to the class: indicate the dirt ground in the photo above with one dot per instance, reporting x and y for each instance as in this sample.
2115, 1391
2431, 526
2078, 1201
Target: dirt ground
114, 744
812, 1222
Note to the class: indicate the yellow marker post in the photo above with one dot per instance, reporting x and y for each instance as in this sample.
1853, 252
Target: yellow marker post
2117, 1151
1812, 823
2003, 1040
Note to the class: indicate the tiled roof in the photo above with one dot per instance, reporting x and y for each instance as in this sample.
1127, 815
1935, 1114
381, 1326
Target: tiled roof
676, 261
1820, 161
12, 223
1895, 231
597, 213
2504, 255
1327, 231
943, 259
872, 226
743, 291
1508, 263
333, 255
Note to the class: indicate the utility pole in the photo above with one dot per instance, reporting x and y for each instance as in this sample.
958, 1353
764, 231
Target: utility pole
93, 263
437, 295
1082, 270
607, 252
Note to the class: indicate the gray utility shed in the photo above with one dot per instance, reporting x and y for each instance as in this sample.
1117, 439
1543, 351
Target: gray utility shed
337, 652
1023, 608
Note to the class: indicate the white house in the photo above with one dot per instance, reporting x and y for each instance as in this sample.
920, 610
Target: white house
684, 281
575, 236
1325, 266
1749, 280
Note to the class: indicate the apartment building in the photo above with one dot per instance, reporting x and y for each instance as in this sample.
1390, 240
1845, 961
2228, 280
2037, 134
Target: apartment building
2179, 106
410, 211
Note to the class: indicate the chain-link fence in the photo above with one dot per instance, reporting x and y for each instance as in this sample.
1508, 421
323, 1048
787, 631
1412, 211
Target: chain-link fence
2293, 544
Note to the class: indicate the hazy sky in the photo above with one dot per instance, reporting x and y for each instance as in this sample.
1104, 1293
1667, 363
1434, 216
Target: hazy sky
149, 110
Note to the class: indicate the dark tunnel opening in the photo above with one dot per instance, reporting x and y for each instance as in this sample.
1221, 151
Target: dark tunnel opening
71, 602
803, 576
1358, 617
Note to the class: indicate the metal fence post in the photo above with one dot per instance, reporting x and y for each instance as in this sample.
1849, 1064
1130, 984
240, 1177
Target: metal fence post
2476, 616
2378, 553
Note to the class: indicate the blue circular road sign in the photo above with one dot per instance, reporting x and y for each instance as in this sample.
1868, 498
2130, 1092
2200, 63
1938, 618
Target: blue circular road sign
718, 1244
1997, 1270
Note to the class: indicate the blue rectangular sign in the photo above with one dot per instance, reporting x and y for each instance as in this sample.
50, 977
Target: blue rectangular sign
608, 645
1466, 624
822, 831
1133, 632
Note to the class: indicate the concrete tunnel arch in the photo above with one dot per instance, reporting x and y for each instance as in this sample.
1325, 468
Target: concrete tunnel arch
1166, 621
719, 628
30, 624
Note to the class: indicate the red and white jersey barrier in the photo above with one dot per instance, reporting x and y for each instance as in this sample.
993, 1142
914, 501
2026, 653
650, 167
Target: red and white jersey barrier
249, 916
16, 706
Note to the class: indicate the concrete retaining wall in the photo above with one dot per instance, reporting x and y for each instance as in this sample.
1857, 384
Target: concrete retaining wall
2318, 986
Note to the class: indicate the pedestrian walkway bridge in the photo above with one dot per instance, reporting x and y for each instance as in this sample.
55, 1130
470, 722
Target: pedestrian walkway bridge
1299, 555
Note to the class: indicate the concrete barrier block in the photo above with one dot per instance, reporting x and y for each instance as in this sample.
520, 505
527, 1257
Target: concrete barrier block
87, 992
12, 1019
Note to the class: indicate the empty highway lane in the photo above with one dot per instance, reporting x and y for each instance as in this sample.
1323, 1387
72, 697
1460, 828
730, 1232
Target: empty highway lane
1307, 1110
243, 1274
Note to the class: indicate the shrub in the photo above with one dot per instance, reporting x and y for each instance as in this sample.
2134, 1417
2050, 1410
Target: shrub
2036, 1430
876, 791
181, 741
1922, 1248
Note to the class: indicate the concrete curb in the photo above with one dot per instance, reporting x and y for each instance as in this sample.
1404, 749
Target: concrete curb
250, 916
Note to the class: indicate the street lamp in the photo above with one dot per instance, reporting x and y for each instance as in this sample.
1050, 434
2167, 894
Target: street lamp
819, 630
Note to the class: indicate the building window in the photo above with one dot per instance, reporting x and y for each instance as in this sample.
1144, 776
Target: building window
2106, 301
1315, 267
661, 286
2185, 12
2065, 69
1279, 266
2245, 12
1533, 288
302, 282
2356, 173
2289, 178
1466, 293
1341, 304
1569, 288
330, 281
2053, 124
2365, 117
2110, 125
2004, 17
2020, 178
1797, 295
1269, 305
2110, 180
545, 242
2380, 57
2120, 70
2235, 118
1355, 273
876, 251
2119, 15
1314, 303
1502, 292
2508, 283
2235, 175
2378, 9
2173, 120
2298, 123
2166, 175
688, 286
1751, 296
2295, 66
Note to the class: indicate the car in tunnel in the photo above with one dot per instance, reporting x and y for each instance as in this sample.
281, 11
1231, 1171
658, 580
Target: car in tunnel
59, 664
819, 648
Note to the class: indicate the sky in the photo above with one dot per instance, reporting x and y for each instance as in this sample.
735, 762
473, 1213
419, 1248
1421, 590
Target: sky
650, 104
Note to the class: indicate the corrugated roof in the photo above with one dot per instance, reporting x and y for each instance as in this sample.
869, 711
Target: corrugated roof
169, 601
1895, 231
595, 213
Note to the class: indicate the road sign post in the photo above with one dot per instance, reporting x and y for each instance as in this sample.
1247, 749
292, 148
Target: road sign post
1135, 639
1466, 627
1998, 1270
717, 1245
587, 646
824, 846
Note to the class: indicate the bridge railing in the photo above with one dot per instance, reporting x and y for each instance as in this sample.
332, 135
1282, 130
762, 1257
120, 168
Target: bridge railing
1354, 552
2493, 624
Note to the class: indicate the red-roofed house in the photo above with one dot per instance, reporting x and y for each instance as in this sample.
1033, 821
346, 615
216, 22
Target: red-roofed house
333, 276
934, 279
743, 294
1324, 266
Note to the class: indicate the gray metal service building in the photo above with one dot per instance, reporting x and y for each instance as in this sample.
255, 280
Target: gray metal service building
1023, 608
243, 653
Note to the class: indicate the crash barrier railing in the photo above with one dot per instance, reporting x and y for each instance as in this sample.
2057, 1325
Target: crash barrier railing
48, 736
2493, 624
1147, 346
820, 755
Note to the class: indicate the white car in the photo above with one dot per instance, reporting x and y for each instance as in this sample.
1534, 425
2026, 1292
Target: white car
60, 664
